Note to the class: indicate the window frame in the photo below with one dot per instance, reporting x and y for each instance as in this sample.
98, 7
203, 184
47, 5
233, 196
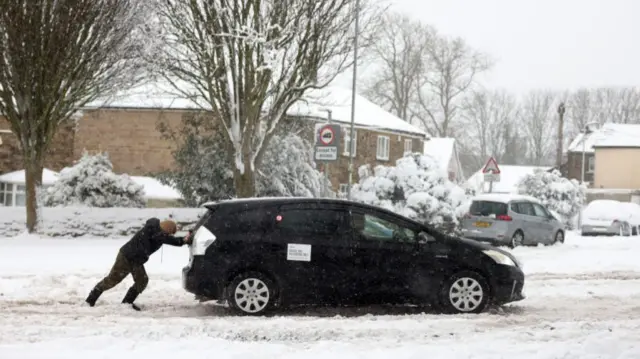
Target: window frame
410, 142
546, 213
386, 143
347, 139
343, 188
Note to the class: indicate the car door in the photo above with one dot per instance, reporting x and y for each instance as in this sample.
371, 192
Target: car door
317, 260
386, 251
529, 222
545, 224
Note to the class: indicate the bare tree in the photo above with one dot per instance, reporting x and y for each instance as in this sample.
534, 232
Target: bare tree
400, 56
488, 117
249, 61
55, 57
451, 71
538, 117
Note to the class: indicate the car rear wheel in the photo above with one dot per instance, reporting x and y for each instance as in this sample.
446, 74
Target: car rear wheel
465, 292
251, 293
559, 238
517, 239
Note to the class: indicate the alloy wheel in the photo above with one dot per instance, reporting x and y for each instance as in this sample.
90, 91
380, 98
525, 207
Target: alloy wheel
559, 237
517, 239
251, 295
466, 294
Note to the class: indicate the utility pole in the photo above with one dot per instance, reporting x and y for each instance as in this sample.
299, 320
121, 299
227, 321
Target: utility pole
561, 110
353, 96
327, 165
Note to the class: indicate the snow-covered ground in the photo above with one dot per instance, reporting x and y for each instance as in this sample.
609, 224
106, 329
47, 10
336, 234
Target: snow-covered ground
582, 303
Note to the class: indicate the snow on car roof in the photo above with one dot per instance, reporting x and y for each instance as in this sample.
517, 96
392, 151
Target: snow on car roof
504, 197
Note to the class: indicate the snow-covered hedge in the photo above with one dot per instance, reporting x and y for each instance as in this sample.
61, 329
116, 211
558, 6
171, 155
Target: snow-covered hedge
69, 222
91, 182
417, 188
561, 195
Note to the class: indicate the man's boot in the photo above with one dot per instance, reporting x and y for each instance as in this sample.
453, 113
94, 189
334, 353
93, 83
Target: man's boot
93, 297
131, 296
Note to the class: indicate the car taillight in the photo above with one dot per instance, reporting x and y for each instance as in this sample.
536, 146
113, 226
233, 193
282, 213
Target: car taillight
503, 217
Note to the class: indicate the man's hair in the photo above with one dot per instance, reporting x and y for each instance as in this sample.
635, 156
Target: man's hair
169, 227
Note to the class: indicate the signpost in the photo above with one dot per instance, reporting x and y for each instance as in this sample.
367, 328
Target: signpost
327, 142
491, 172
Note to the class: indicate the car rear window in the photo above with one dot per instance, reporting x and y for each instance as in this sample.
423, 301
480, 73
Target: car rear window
487, 208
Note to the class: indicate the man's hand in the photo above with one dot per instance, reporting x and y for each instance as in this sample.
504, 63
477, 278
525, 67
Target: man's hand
188, 239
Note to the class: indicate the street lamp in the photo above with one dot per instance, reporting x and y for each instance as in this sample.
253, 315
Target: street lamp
585, 131
353, 95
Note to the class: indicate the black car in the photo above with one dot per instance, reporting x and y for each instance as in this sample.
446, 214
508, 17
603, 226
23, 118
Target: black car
258, 254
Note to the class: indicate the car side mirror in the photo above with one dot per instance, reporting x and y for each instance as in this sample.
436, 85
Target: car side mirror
424, 238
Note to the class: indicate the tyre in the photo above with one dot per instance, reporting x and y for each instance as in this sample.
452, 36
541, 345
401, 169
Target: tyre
559, 237
465, 292
251, 293
517, 239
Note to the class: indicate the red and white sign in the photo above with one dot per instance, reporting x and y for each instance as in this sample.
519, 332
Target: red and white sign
491, 167
327, 136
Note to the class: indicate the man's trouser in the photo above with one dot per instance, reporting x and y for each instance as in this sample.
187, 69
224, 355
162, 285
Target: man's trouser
121, 268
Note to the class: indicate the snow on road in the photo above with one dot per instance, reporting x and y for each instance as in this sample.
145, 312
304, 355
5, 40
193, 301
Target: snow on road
582, 303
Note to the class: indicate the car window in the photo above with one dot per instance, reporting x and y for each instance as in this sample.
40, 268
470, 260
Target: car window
376, 228
255, 220
310, 222
487, 208
540, 211
526, 208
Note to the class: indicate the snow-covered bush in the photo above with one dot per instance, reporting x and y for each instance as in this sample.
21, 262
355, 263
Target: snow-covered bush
561, 195
93, 222
91, 182
416, 187
204, 169
288, 169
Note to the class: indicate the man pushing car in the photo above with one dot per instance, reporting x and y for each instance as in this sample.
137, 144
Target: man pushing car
133, 255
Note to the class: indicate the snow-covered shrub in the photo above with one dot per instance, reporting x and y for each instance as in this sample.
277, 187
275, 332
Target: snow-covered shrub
91, 182
288, 169
204, 169
416, 187
93, 222
559, 194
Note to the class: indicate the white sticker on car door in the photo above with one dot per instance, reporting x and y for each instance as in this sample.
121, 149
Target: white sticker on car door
299, 252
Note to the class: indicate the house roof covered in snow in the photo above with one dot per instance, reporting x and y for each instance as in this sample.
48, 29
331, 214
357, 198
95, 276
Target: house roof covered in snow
609, 135
19, 177
441, 149
314, 105
510, 176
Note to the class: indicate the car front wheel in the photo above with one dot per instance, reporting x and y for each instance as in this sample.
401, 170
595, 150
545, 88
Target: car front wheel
465, 292
251, 293
559, 237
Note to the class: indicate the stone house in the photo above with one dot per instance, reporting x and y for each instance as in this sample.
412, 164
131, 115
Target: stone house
127, 129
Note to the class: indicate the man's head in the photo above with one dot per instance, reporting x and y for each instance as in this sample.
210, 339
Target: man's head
169, 227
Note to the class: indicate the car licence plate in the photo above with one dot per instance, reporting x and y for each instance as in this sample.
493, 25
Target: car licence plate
482, 224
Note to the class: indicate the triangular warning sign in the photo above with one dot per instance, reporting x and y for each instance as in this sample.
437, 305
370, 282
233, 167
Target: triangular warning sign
491, 166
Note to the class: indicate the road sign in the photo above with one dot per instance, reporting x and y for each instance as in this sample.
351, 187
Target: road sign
491, 166
327, 142
326, 153
491, 177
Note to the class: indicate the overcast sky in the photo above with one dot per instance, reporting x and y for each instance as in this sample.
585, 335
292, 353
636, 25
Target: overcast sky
556, 44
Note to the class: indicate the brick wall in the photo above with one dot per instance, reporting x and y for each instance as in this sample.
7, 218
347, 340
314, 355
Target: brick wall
130, 137
59, 155
574, 166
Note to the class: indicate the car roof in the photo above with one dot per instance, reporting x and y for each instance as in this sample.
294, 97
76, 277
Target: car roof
504, 197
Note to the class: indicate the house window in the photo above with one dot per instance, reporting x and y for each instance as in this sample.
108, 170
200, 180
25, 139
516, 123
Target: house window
382, 152
342, 191
347, 140
13, 195
408, 146
591, 164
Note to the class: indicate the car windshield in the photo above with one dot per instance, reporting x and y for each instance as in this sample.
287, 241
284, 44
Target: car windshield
487, 208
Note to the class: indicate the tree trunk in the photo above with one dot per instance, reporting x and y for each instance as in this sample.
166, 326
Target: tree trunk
245, 183
33, 179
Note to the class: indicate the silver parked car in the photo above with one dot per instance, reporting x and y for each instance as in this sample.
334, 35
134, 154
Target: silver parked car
606, 217
512, 220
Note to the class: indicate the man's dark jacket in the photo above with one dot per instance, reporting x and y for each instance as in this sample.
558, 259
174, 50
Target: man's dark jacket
146, 241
